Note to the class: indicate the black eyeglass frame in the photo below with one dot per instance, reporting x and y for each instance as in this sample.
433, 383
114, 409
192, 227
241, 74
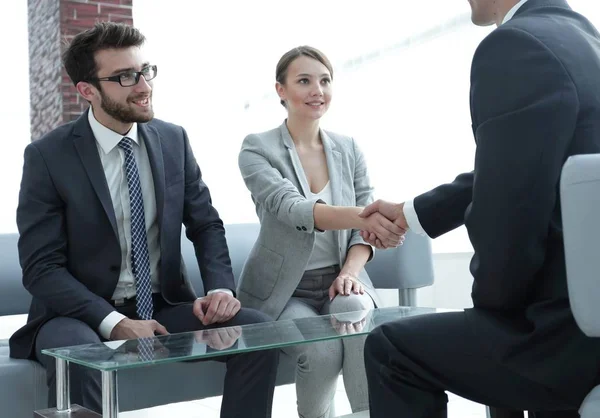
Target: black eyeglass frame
136, 74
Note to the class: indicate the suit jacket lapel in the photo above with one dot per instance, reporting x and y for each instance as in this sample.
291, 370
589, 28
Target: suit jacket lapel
85, 144
296, 163
155, 155
334, 166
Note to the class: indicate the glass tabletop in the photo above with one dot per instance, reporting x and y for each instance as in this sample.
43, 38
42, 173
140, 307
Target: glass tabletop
206, 344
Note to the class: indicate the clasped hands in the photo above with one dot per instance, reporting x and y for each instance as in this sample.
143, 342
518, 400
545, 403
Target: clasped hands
215, 308
384, 224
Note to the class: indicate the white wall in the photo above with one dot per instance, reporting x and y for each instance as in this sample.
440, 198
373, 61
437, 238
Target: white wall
408, 108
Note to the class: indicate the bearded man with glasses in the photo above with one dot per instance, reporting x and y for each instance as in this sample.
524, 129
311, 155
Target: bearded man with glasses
101, 205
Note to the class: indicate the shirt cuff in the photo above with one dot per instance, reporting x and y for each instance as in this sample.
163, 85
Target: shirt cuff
228, 291
412, 219
108, 323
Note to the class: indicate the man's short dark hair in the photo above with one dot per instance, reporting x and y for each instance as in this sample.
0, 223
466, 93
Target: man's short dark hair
78, 58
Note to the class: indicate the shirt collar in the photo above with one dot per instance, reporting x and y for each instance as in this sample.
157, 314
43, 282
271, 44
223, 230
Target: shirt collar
512, 11
108, 139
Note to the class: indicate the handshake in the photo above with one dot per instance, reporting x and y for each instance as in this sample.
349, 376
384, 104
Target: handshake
384, 224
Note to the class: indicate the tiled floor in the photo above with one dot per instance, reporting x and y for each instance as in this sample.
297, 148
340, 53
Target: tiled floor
284, 406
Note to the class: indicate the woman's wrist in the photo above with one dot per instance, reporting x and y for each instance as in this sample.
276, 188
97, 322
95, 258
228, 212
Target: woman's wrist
361, 222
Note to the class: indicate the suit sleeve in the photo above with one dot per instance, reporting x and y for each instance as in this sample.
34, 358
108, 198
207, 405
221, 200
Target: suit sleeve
363, 191
271, 190
443, 209
524, 111
43, 247
204, 227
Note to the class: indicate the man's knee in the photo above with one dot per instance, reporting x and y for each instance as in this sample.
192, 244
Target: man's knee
65, 332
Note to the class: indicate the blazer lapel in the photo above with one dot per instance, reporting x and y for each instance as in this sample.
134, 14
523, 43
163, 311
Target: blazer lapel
85, 144
157, 165
334, 166
296, 163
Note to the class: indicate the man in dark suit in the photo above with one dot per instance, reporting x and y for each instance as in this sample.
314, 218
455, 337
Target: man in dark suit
535, 101
101, 206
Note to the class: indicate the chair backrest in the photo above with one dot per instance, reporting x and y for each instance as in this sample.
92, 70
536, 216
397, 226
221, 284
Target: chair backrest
14, 299
580, 205
409, 266
240, 239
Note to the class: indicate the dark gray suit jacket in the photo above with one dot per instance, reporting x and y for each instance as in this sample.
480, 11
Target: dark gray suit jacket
68, 245
535, 101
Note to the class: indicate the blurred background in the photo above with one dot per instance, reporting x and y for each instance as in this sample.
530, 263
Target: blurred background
401, 88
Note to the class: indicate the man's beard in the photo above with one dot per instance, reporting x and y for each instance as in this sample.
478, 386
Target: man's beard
124, 113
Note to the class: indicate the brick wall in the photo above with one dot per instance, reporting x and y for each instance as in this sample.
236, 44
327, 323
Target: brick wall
54, 99
44, 66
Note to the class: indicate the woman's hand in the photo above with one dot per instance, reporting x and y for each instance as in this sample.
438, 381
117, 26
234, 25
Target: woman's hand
385, 231
344, 284
345, 327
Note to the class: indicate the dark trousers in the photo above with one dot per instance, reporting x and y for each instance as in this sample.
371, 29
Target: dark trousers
410, 364
249, 381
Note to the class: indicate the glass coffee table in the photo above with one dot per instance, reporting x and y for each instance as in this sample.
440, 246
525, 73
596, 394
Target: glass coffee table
113, 356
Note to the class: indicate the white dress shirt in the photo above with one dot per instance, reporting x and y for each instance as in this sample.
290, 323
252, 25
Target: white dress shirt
513, 10
112, 158
412, 219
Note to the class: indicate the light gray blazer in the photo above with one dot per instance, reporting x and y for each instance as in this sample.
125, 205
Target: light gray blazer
274, 175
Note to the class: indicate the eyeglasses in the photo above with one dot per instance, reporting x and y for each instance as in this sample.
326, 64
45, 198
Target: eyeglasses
131, 78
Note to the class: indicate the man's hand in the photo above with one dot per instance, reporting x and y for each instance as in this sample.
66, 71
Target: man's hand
218, 338
215, 308
344, 284
130, 329
393, 212
385, 230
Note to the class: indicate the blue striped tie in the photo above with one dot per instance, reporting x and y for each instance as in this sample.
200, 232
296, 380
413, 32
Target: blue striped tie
139, 243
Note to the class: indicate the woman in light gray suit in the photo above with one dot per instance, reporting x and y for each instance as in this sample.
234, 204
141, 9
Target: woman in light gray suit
308, 186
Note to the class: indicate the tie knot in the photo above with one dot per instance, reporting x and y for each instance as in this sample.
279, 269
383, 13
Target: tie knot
125, 143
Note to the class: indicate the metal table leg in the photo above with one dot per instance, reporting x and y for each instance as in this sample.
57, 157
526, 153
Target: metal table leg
64, 409
110, 401
63, 393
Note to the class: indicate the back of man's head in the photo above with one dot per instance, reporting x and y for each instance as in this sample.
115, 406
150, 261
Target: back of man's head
78, 58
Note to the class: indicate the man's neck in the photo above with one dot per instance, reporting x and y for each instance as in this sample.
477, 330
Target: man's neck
502, 9
110, 123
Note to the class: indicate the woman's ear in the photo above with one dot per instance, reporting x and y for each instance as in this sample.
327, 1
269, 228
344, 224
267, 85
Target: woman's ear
280, 89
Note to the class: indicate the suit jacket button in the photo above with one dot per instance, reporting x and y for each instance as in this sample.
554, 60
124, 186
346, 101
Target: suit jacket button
298, 228
114, 268
304, 228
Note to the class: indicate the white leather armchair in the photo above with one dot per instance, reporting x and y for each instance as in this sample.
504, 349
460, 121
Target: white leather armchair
580, 201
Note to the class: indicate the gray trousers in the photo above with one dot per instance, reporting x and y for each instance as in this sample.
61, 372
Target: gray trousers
319, 364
